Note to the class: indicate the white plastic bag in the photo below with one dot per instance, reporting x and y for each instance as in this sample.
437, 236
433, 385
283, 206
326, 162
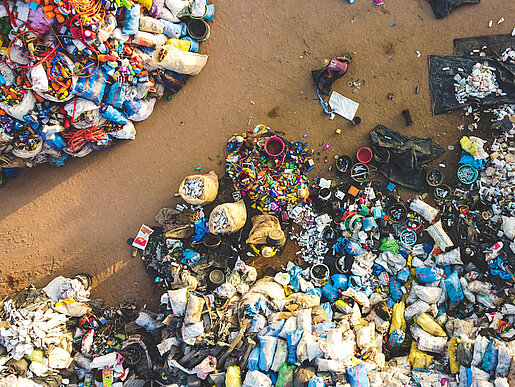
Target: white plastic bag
194, 310
452, 257
23, 108
146, 109
429, 294
417, 307
365, 336
304, 320
440, 237
127, 132
425, 210
256, 379
178, 299
289, 326
508, 226
39, 79
171, 58
336, 347
79, 106
280, 356
330, 365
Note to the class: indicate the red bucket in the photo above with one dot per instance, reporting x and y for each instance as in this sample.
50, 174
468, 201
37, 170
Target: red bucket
274, 146
364, 155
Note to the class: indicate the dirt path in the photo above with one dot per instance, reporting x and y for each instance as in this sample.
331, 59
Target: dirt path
77, 218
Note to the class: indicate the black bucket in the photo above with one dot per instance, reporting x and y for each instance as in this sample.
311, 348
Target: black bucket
198, 29
343, 163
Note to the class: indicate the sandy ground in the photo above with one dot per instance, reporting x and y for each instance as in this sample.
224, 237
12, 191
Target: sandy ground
77, 218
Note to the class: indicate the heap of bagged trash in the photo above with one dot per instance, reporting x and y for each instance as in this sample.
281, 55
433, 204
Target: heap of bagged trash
76, 74
382, 292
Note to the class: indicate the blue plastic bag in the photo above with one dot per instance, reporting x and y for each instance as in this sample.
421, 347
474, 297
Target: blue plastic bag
358, 376
328, 310
189, 257
395, 289
293, 339
453, 286
200, 229
92, 85
428, 274
113, 114
273, 329
329, 292
131, 22
295, 273
267, 352
258, 323
340, 281
174, 30
253, 363
490, 358
116, 96
403, 275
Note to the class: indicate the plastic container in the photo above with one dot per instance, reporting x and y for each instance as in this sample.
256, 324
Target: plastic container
397, 213
467, 174
215, 278
319, 273
199, 30
364, 155
274, 146
343, 163
435, 177
330, 235
359, 172
324, 194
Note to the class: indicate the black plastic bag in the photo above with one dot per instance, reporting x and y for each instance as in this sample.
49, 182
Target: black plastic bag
400, 158
442, 8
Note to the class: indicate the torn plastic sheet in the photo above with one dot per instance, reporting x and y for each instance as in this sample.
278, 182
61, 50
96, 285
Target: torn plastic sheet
400, 158
442, 8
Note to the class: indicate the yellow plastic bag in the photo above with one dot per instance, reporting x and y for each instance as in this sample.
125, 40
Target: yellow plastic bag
398, 321
183, 45
418, 358
428, 324
233, 377
209, 192
468, 145
453, 355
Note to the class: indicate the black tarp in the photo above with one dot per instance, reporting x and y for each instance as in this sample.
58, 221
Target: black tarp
441, 82
442, 8
495, 44
400, 158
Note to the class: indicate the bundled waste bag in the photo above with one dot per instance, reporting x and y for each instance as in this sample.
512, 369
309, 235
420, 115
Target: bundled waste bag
262, 225
199, 189
171, 58
227, 218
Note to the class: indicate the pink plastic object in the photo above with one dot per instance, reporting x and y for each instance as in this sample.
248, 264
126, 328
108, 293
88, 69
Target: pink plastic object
274, 146
364, 155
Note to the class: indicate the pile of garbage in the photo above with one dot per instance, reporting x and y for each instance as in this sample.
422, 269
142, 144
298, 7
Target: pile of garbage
75, 75
383, 292
268, 171
479, 83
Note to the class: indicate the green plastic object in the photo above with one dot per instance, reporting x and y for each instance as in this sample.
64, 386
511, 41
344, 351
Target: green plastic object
285, 378
389, 245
